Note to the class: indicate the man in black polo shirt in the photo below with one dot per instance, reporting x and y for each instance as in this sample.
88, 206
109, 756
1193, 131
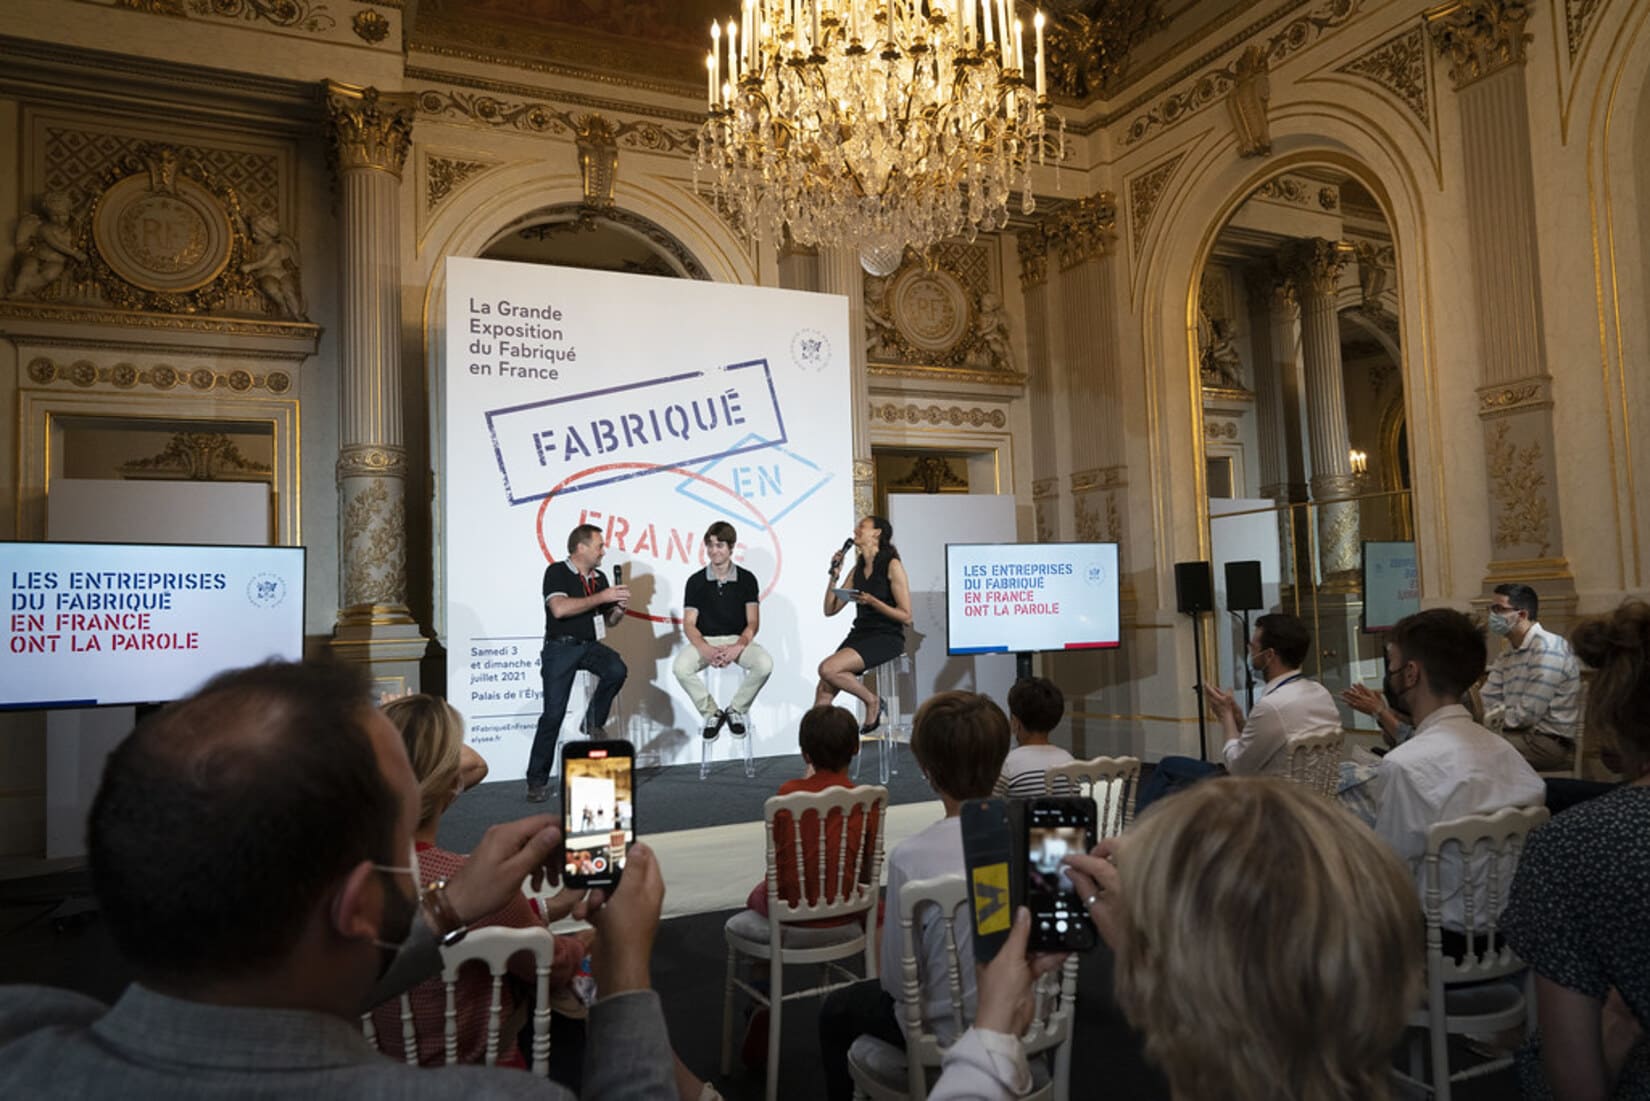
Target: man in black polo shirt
720, 618
575, 592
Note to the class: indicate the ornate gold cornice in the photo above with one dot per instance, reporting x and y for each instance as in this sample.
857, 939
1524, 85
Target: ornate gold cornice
1085, 230
911, 413
1044, 488
1314, 264
1032, 243
368, 129
933, 373
1479, 37
1514, 397
1102, 477
185, 323
85, 375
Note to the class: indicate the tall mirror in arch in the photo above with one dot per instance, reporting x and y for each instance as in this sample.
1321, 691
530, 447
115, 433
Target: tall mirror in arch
1305, 445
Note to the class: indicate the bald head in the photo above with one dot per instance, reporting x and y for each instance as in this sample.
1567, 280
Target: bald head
228, 816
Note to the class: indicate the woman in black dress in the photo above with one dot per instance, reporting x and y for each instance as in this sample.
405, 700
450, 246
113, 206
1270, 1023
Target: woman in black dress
884, 608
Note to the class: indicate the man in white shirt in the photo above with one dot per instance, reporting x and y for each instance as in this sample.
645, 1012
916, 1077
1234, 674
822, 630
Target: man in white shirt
1533, 692
1291, 705
1450, 766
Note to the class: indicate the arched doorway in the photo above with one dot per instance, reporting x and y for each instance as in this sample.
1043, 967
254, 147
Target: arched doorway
1302, 391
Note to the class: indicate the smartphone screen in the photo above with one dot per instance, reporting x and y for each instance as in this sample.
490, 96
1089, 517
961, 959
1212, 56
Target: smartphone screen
1056, 828
598, 817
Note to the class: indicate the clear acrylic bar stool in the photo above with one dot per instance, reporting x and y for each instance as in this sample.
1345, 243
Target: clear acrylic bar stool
885, 682
715, 681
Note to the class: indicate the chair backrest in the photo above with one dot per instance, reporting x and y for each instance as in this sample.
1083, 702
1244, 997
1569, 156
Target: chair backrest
492, 945
1314, 760
1111, 781
1482, 852
1056, 997
846, 869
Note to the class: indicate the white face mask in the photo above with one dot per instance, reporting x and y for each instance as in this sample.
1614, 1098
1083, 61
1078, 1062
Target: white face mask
398, 920
1501, 623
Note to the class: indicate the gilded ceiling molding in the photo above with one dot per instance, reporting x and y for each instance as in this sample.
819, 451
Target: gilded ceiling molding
301, 332
535, 117
288, 14
1214, 85
1480, 37
1399, 65
1086, 229
368, 128
445, 175
1088, 52
84, 374
1144, 192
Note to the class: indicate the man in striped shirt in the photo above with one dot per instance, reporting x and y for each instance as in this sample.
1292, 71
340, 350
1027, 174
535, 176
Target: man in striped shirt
1035, 705
1534, 687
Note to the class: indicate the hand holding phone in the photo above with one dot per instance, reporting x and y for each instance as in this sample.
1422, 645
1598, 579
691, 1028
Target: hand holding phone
598, 811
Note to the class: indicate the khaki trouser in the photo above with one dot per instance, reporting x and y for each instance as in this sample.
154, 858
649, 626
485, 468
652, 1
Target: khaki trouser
754, 660
1545, 752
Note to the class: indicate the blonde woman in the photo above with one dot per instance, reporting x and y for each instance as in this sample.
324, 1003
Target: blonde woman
1268, 946
434, 736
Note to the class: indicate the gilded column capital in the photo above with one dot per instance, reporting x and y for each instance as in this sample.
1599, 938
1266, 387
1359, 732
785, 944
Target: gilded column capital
1033, 245
1313, 264
1479, 37
368, 128
1085, 230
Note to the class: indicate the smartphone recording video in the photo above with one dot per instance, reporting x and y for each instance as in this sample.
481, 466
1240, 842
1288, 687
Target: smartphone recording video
1055, 829
598, 822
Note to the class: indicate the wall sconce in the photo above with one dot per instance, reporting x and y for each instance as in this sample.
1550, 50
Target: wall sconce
1360, 461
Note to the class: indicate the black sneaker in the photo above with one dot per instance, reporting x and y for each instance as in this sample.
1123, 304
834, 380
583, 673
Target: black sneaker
713, 724
736, 723
538, 793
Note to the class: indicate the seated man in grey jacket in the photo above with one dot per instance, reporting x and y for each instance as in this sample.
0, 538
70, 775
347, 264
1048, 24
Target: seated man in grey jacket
250, 848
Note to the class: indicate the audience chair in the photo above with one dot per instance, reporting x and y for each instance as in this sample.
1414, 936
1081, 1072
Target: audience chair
493, 946
1314, 760
1111, 781
1578, 767
882, 1072
1488, 989
714, 684
787, 935
885, 681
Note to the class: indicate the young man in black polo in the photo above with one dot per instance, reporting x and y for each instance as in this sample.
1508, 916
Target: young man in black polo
720, 617
575, 593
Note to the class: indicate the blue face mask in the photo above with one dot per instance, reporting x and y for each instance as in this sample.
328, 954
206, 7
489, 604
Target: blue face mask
1501, 623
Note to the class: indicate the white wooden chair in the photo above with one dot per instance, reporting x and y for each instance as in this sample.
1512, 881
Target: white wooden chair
781, 938
1489, 989
493, 945
881, 1072
1111, 781
1314, 761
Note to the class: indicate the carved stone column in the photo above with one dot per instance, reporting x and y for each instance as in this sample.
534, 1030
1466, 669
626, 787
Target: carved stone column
1043, 386
1274, 325
1085, 234
370, 133
840, 273
1484, 42
1314, 266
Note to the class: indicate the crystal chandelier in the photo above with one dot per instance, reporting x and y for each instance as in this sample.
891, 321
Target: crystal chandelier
872, 124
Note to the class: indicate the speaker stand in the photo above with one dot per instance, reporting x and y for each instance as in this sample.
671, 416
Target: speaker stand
1202, 708
1248, 670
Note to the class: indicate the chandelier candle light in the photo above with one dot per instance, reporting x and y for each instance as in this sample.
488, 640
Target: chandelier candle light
874, 124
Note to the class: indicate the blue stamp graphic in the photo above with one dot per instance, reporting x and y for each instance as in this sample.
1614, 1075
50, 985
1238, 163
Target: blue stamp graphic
775, 481
658, 423
265, 590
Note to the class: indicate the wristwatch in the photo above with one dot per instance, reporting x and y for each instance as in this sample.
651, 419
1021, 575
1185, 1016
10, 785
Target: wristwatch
443, 918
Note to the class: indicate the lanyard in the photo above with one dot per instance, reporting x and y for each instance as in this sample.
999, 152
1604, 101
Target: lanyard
1284, 681
589, 585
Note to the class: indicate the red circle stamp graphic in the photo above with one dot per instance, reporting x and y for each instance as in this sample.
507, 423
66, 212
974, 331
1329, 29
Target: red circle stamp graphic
756, 515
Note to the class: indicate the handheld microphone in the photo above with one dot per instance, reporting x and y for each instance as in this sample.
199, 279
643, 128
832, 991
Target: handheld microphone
618, 576
847, 544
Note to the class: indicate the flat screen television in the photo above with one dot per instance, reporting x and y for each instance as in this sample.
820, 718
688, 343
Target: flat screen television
94, 624
1392, 584
1026, 597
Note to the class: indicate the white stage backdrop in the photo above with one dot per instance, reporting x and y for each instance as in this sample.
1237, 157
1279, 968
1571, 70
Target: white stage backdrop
651, 408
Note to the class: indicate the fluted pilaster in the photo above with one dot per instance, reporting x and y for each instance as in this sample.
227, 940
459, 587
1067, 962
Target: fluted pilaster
370, 133
1314, 267
1042, 385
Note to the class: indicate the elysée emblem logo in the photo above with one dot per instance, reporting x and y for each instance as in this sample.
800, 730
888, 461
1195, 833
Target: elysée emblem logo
265, 590
810, 350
